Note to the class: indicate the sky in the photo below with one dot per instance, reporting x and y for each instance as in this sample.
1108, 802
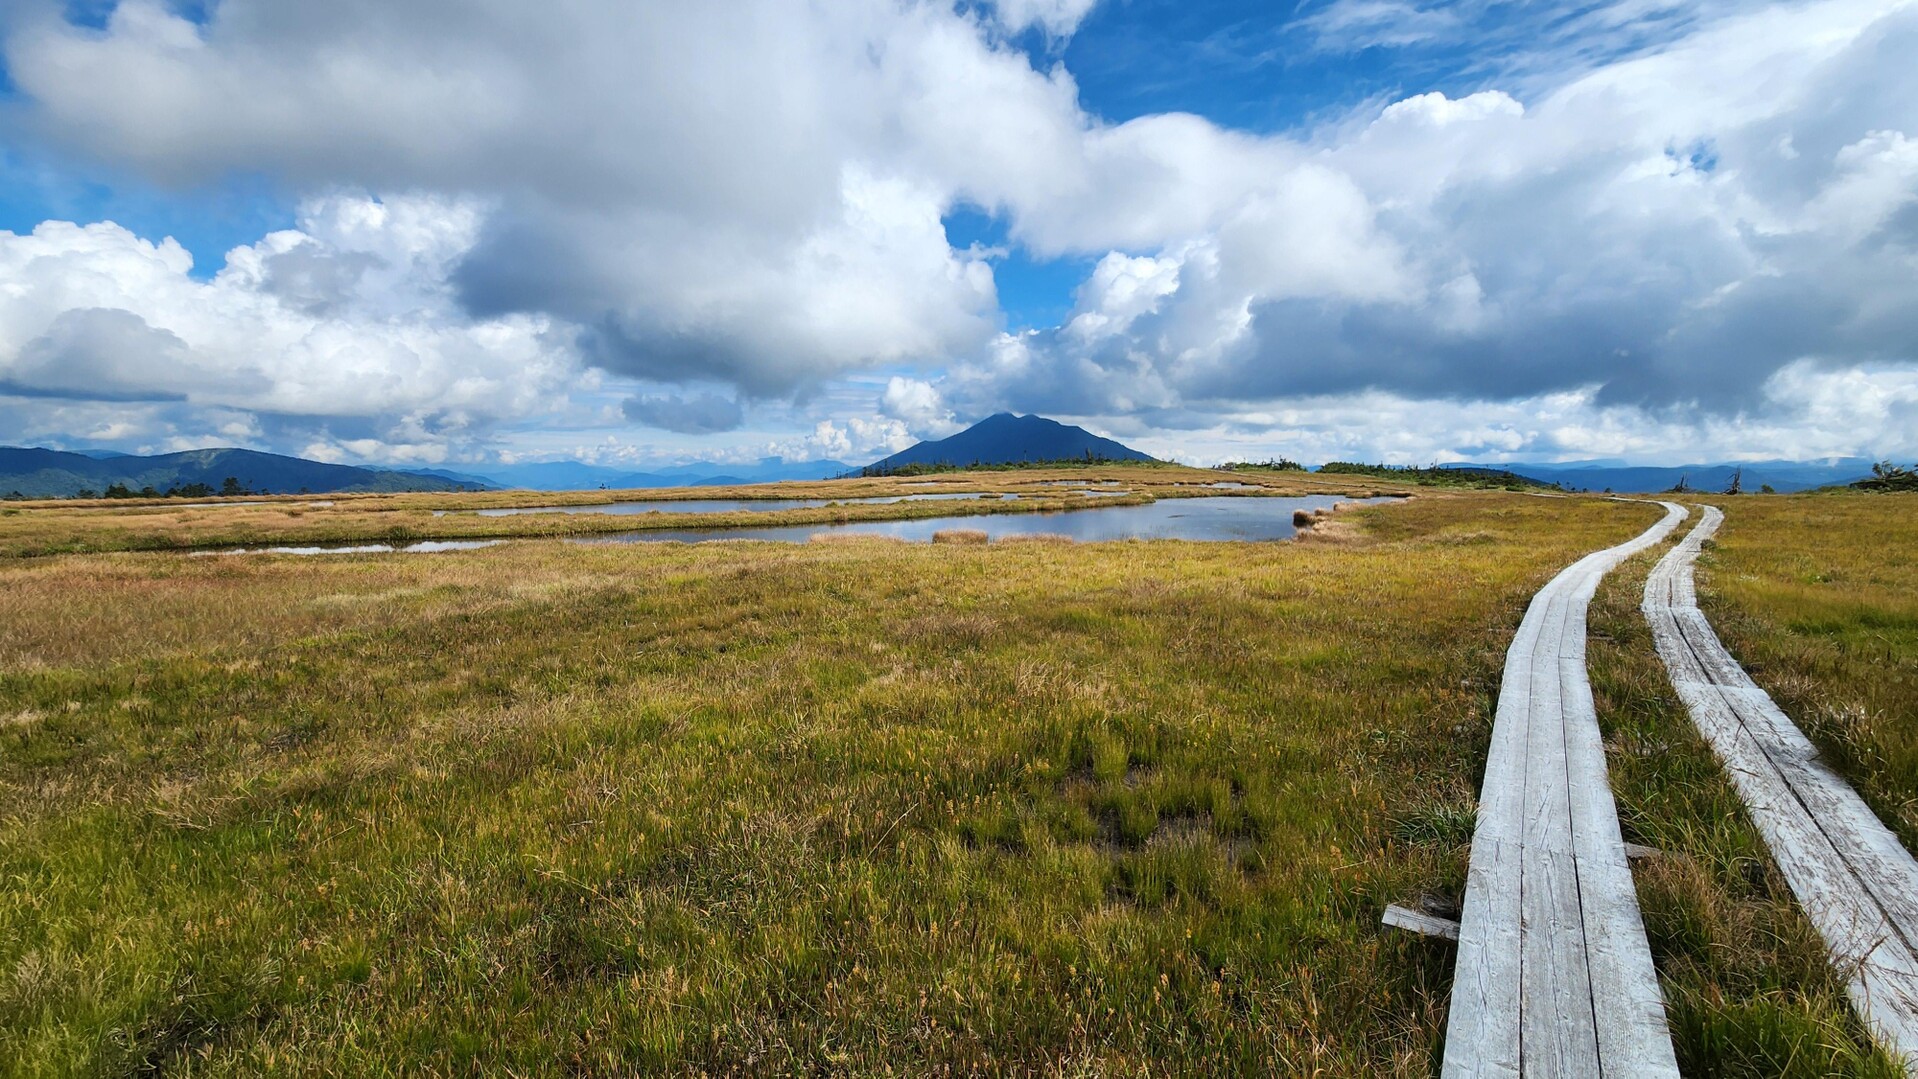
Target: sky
458, 233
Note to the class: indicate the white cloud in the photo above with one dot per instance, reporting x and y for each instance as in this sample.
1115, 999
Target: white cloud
347, 321
752, 199
1056, 17
919, 406
1635, 231
1809, 414
852, 440
1121, 289
740, 194
1350, 25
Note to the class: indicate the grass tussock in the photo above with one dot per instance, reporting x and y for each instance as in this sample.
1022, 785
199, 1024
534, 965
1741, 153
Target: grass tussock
1043, 539
1327, 532
854, 539
964, 536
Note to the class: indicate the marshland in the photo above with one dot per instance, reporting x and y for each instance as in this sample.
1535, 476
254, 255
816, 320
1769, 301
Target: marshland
861, 805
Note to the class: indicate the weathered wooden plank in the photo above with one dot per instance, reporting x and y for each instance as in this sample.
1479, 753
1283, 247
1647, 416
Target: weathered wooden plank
1625, 991
1554, 975
1854, 879
1556, 1030
1481, 1034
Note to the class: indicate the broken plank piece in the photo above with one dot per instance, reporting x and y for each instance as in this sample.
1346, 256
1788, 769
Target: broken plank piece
1429, 925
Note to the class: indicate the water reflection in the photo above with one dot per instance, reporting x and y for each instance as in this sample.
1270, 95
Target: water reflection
724, 505
422, 547
1210, 518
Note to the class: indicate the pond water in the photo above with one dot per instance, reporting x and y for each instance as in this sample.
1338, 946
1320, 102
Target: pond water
722, 505
422, 547
1213, 518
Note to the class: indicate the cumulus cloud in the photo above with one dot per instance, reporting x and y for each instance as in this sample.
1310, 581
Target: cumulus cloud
361, 336
854, 439
919, 405
102, 354
741, 194
685, 194
1669, 232
1809, 413
692, 414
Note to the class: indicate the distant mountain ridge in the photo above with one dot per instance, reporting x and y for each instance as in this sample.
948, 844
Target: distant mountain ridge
42, 473
575, 476
1619, 476
1006, 439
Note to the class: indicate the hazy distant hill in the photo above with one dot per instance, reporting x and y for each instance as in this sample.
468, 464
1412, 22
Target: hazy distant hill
574, 476
555, 476
1619, 476
1009, 439
39, 473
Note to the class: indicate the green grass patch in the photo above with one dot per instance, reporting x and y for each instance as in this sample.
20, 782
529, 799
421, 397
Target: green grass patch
831, 807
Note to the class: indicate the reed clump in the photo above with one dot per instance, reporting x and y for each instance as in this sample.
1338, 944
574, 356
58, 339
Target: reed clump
854, 539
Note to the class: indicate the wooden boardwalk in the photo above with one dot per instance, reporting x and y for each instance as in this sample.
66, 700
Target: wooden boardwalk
1554, 974
1855, 881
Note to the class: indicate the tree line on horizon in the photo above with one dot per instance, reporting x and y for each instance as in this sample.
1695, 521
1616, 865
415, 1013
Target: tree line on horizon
231, 487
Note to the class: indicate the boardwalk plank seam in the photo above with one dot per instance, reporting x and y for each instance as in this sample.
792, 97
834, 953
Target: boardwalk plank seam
1854, 880
1554, 973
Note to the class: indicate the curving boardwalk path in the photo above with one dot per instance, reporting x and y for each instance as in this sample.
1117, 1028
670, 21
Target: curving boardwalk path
1855, 881
1554, 974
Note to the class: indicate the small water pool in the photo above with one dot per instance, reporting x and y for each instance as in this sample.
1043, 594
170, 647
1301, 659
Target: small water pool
422, 547
723, 505
1210, 518
1214, 518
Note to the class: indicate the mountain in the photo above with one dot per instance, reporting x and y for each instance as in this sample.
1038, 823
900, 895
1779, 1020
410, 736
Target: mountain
40, 473
574, 476
465, 479
563, 476
1008, 439
766, 470
1619, 476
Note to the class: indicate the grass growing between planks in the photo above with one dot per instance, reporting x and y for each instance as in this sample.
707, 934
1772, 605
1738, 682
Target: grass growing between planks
1748, 988
847, 806
1817, 596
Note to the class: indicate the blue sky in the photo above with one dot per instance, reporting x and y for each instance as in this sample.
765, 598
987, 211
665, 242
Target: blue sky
1661, 230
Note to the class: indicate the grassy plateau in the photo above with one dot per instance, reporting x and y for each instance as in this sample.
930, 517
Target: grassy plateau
853, 806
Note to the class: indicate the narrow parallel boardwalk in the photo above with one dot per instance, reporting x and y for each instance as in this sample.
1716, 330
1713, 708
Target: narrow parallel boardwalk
1855, 881
1554, 974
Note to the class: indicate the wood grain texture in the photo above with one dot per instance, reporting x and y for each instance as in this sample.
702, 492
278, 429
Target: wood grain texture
1554, 973
1855, 881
